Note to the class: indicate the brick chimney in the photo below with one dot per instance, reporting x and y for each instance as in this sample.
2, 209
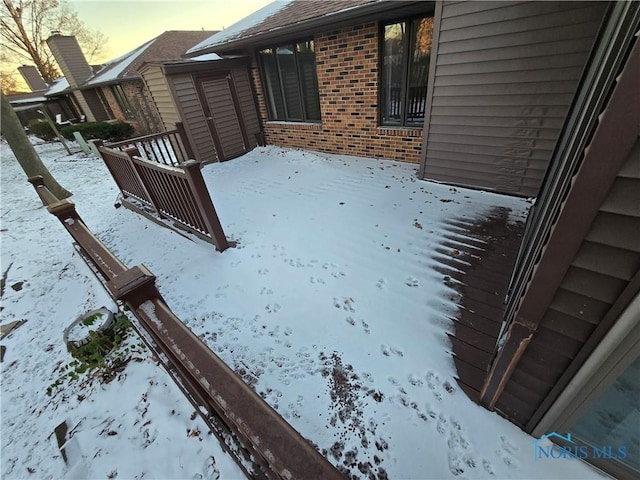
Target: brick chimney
70, 58
32, 77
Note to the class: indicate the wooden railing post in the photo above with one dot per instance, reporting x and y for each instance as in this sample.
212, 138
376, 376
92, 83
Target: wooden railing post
205, 204
182, 133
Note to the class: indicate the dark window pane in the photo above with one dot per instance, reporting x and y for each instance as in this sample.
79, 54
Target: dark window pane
422, 30
393, 64
289, 74
122, 101
273, 93
308, 79
290, 82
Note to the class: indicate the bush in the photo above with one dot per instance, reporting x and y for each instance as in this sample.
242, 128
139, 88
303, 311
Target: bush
111, 132
42, 130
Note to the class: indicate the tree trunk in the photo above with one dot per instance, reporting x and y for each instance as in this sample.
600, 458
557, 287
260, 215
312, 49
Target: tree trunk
27, 157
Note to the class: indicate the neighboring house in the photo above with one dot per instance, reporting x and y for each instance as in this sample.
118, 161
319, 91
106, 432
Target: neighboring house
536, 99
42, 98
474, 91
213, 99
115, 91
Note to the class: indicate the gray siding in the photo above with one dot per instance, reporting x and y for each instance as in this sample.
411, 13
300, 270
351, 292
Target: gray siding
193, 117
161, 95
604, 266
504, 78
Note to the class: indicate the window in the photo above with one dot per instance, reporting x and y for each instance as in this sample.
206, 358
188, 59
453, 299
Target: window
290, 82
105, 103
123, 102
406, 50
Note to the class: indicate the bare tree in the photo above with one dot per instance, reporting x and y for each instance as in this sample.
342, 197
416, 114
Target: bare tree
26, 24
21, 147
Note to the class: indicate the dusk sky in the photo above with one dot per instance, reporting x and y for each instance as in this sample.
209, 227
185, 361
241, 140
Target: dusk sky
129, 24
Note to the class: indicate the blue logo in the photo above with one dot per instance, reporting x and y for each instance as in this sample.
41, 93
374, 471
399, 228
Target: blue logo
543, 450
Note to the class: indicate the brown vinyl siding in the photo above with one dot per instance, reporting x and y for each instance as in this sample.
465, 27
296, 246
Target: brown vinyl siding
218, 96
605, 265
161, 95
247, 105
504, 78
193, 117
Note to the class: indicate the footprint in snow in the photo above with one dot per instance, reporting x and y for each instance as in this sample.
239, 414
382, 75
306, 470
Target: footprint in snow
415, 380
387, 351
272, 308
381, 284
211, 471
365, 327
412, 282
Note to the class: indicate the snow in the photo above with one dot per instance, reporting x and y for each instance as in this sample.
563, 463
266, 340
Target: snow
111, 71
206, 57
328, 306
236, 30
58, 86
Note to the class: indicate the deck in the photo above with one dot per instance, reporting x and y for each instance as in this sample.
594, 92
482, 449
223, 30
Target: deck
478, 257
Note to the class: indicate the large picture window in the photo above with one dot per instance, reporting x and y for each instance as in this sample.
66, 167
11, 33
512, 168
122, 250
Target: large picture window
406, 50
290, 82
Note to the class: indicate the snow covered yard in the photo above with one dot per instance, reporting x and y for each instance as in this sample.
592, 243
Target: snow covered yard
328, 306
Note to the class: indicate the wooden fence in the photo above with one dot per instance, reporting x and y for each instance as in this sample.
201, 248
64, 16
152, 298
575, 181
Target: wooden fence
175, 192
167, 148
262, 443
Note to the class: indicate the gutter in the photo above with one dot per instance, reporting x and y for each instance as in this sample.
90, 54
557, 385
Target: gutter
305, 28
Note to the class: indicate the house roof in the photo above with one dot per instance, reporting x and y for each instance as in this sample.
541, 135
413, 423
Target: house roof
294, 17
170, 45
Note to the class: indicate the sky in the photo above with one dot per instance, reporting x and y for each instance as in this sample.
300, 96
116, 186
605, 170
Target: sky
129, 24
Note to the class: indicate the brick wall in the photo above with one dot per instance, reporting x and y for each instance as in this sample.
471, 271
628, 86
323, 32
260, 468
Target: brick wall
347, 66
147, 119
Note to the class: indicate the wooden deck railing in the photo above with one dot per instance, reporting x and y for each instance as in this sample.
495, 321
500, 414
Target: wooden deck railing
262, 443
172, 192
167, 148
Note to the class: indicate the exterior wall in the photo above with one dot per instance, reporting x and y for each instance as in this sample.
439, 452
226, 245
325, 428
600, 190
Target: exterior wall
347, 67
587, 270
161, 94
193, 117
504, 77
247, 105
84, 106
607, 262
147, 119
70, 58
